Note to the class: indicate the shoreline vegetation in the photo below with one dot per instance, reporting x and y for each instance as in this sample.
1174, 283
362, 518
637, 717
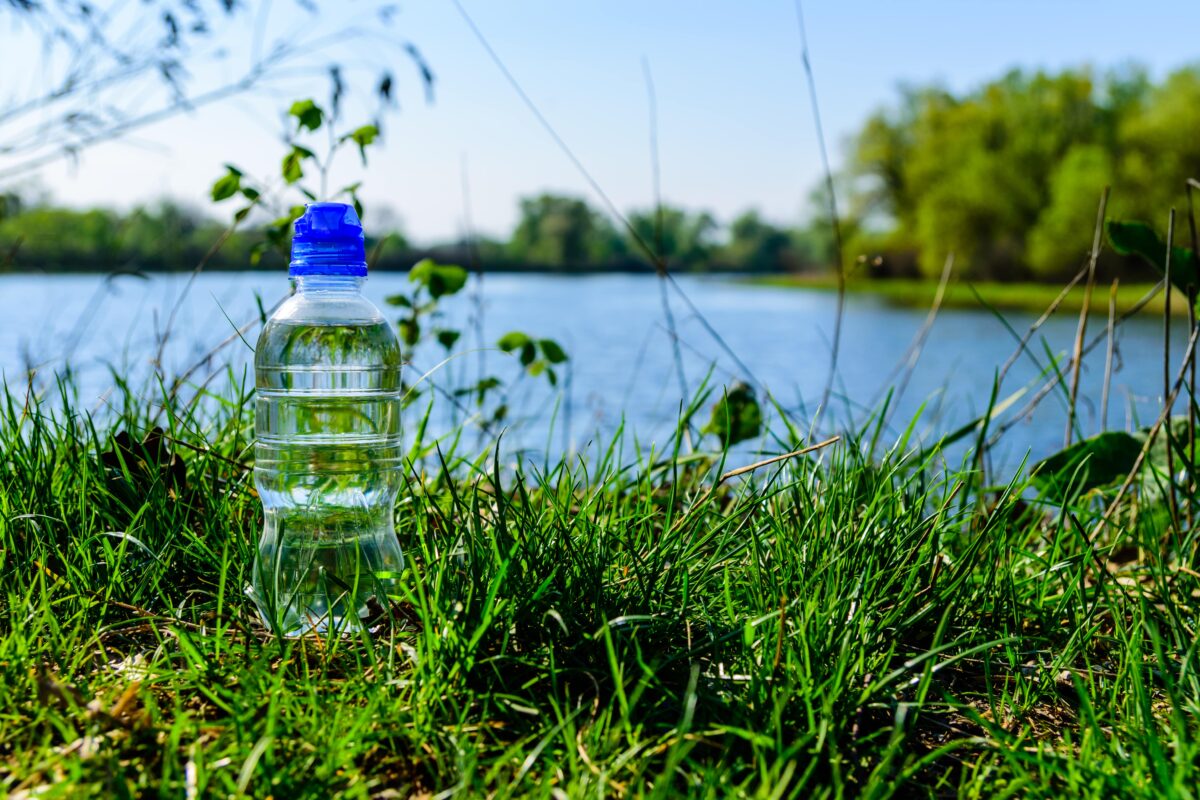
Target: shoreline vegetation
1021, 296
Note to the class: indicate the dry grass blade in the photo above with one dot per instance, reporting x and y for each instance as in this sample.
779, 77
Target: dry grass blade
1150, 437
661, 256
1172, 501
638, 240
1053, 381
733, 473
834, 219
1110, 330
1049, 312
1081, 331
908, 362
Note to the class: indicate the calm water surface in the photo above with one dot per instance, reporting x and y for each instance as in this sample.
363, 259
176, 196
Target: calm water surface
612, 326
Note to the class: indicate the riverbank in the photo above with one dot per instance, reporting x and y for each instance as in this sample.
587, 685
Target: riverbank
1031, 297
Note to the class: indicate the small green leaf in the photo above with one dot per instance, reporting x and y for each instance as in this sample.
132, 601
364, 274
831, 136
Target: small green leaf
439, 279
1139, 239
250, 193
528, 354
256, 252
226, 186
410, 331
736, 416
448, 338
398, 300
241, 213
512, 340
307, 113
1086, 465
362, 137
480, 389
552, 351
292, 170
537, 368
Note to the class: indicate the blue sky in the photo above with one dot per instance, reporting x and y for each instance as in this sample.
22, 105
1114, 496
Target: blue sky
735, 128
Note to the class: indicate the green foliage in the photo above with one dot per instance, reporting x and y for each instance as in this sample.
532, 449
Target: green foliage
757, 246
684, 240
536, 355
362, 136
1062, 237
308, 114
1140, 239
292, 169
736, 417
162, 236
1108, 458
1008, 176
438, 279
1086, 465
562, 232
228, 184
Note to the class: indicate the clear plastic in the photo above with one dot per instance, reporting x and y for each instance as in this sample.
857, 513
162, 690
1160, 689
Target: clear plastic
327, 458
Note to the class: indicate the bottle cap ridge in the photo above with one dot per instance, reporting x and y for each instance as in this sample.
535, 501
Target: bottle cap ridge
328, 240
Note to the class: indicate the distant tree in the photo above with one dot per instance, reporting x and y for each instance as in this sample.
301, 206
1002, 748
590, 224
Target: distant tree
554, 230
1008, 176
1157, 146
10, 204
1060, 239
755, 245
686, 240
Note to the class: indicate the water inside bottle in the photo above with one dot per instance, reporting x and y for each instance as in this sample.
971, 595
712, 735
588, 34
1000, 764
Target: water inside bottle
327, 468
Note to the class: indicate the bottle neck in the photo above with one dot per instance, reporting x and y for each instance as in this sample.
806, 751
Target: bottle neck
340, 284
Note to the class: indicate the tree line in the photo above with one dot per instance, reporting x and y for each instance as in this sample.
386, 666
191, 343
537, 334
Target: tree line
1008, 176
553, 233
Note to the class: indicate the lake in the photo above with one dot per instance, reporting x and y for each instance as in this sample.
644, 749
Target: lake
621, 357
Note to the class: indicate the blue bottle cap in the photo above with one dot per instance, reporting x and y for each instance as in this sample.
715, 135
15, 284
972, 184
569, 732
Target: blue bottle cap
328, 240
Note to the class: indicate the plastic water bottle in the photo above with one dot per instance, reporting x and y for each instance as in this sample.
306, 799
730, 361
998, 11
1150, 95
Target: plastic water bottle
327, 456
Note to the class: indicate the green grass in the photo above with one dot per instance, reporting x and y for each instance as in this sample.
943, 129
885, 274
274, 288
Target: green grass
856, 622
1029, 297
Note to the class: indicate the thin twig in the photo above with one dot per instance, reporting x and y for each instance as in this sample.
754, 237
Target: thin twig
733, 473
742, 471
1108, 353
661, 263
476, 266
912, 355
1049, 386
1023, 342
212, 251
834, 219
1164, 415
178, 383
1081, 331
1172, 501
1192, 184
616, 214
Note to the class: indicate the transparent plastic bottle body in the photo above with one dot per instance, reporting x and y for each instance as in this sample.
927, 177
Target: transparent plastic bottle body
327, 458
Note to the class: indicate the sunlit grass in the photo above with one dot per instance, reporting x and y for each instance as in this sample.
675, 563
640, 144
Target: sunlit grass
830, 624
